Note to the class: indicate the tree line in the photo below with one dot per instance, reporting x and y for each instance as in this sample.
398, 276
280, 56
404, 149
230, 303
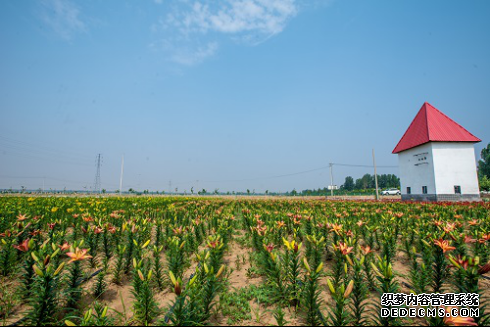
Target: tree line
363, 185
368, 182
484, 169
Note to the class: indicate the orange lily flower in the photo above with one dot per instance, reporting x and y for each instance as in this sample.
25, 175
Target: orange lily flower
64, 247
24, 246
280, 224
336, 228
21, 217
269, 247
343, 248
78, 255
366, 249
458, 321
444, 245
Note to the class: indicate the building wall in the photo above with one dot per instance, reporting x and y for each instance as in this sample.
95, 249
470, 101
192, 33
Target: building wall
416, 170
455, 164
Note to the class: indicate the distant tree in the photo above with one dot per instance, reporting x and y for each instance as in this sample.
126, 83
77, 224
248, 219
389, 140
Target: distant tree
294, 192
216, 191
349, 183
484, 163
484, 183
358, 184
248, 191
104, 190
367, 181
192, 190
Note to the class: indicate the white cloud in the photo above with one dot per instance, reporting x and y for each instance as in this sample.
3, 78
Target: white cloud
262, 17
63, 16
194, 22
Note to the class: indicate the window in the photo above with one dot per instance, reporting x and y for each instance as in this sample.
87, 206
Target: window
457, 189
424, 189
409, 190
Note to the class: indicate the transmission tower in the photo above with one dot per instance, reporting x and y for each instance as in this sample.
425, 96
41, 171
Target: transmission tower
97, 184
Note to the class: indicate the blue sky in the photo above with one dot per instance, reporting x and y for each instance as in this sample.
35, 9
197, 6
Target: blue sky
229, 92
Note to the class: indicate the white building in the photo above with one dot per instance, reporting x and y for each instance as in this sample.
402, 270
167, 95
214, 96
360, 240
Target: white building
436, 159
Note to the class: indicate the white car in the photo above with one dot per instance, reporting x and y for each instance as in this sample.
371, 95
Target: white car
391, 191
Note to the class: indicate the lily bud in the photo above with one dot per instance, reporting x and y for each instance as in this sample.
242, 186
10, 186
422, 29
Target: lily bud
193, 280
34, 257
307, 266
319, 268
349, 289
60, 268
177, 289
330, 286
451, 259
220, 271
140, 274
104, 313
46, 260
172, 277
37, 270
146, 244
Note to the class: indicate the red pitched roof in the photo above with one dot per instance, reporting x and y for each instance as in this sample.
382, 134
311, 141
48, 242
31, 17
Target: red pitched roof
431, 125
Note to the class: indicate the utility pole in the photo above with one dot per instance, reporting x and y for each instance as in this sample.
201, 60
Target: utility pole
375, 177
331, 179
122, 174
97, 184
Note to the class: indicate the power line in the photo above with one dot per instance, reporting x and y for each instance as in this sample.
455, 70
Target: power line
362, 166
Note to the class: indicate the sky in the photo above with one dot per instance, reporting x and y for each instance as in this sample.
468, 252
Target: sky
231, 94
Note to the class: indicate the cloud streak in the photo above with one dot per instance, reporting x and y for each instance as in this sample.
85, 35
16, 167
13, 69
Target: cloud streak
63, 17
195, 22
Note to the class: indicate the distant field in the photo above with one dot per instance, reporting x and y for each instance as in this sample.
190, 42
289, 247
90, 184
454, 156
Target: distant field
233, 260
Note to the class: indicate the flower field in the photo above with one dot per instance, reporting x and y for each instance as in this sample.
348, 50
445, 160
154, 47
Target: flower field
196, 261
